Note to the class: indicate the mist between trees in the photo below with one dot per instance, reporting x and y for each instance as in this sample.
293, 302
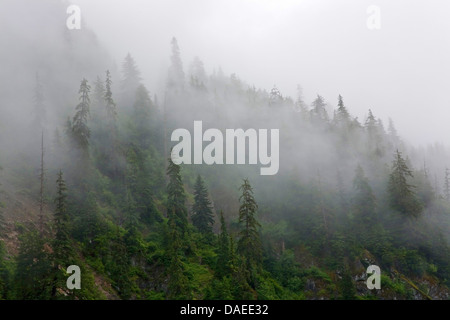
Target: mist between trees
87, 180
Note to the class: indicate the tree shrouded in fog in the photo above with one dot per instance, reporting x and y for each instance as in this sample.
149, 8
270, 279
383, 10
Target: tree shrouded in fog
176, 73
111, 109
141, 227
319, 110
131, 78
342, 114
402, 196
80, 129
39, 112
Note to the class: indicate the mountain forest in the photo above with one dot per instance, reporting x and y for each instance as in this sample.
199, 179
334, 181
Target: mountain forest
87, 180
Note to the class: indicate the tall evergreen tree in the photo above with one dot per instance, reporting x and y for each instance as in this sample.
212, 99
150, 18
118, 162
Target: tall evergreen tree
178, 282
110, 105
202, 215
99, 93
80, 130
131, 78
249, 244
342, 114
62, 246
63, 252
176, 73
40, 115
319, 110
402, 196
176, 207
223, 251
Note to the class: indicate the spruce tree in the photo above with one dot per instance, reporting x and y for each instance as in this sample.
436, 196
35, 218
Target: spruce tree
202, 215
402, 196
249, 244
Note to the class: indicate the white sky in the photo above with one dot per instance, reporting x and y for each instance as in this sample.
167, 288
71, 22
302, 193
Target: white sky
401, 71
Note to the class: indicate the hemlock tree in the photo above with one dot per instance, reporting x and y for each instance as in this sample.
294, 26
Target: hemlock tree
202, 215
249, 244
80, 130
401, 194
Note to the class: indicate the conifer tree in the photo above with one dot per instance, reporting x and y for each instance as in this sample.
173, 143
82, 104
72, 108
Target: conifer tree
342, 113
176, 208
99, 92
402, 196
319, 109
178, 282
62, 246
39, 105
131, 77
202, 215
63, 252
176, 73
249, 244
80, 130
223, 251
110, 105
